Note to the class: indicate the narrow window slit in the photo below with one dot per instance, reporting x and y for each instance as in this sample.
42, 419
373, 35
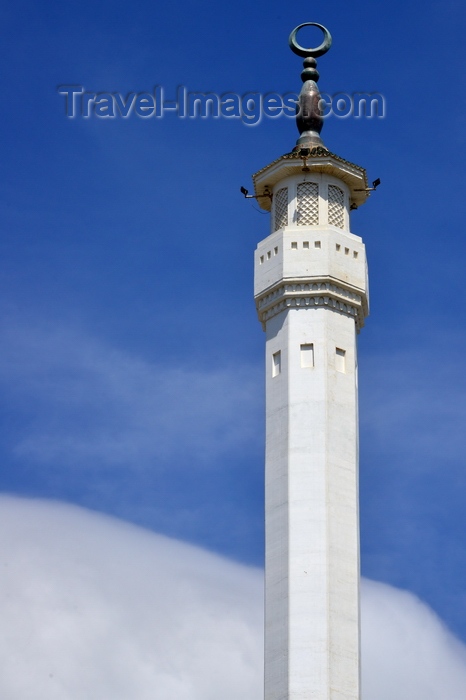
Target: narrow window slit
340, 360
307, 355
276, 363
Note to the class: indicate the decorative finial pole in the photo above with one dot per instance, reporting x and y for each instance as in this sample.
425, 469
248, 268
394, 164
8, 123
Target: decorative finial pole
309, 118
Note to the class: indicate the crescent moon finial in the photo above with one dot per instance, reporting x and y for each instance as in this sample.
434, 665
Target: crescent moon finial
313, 53
309, 117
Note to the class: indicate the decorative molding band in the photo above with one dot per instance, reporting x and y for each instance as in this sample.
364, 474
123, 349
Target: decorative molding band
293, 294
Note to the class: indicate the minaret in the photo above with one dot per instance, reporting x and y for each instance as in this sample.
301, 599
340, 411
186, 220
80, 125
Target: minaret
312, 298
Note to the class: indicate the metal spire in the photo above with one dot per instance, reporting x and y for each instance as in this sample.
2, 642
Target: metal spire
309, 118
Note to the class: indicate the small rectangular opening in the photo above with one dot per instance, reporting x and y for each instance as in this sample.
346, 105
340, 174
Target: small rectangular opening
275, 251
338, 246
316, 244
276, 363
355, 253
346, 251
269, 255
261, 259
307, 355
340, 360
294, 245
306, 244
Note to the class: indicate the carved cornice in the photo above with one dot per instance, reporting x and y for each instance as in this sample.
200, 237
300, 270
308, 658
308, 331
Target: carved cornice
317, 292
316, 152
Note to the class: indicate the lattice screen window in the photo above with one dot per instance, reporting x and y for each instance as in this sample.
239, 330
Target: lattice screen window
336, 211
308, 204
281, 208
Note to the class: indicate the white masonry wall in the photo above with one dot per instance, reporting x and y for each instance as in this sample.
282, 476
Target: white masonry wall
312, 522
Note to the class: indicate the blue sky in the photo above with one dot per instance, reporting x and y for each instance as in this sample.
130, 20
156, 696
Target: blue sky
131, 367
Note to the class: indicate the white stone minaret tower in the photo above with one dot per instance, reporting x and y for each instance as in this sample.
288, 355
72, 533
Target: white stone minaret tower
312, 297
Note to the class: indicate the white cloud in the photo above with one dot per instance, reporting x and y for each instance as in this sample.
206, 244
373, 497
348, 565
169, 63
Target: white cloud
407, 652
94, 608
98, 609
82, 402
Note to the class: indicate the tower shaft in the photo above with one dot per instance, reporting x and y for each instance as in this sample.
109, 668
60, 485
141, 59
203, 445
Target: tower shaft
311, 296
312, 570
